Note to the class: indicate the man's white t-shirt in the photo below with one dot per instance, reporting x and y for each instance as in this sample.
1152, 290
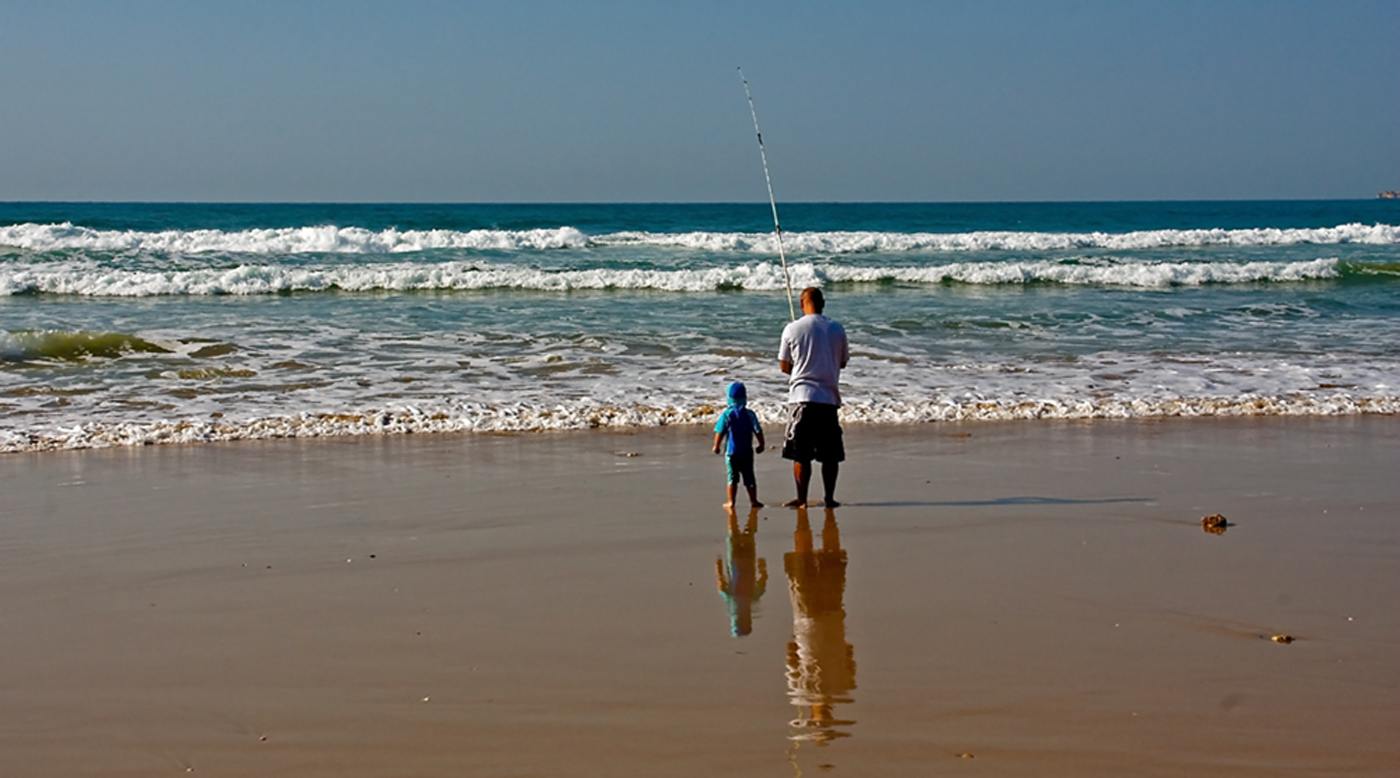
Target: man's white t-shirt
816, 347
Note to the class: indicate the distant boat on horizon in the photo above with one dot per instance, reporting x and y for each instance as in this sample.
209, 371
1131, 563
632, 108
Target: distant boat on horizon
1393, 194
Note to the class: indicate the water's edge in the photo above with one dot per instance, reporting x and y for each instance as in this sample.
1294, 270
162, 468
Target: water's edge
408, 421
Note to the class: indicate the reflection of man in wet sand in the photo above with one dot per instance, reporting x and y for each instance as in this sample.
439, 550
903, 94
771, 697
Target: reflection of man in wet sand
742, 580
821, 665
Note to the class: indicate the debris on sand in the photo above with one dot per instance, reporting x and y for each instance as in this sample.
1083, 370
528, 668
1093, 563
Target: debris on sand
1285, 639
1215, 524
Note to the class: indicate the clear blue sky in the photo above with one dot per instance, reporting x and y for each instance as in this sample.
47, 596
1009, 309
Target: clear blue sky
639, 101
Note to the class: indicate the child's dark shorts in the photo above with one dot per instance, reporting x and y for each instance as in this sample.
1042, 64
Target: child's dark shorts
738, 466
813, 432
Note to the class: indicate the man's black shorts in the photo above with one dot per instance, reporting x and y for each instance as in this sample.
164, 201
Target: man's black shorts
813, 432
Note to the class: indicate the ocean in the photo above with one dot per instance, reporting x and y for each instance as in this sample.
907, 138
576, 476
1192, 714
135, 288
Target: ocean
135, 323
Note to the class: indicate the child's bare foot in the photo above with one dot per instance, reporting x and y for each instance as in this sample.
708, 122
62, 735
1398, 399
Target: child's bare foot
831, 504
795, 504
755, 504
729, 506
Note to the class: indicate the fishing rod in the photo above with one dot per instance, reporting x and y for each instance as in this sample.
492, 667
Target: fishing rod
777, 228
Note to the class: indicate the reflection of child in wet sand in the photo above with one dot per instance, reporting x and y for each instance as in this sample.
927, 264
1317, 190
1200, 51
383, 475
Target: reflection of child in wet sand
821, 664
740, 426
742, 578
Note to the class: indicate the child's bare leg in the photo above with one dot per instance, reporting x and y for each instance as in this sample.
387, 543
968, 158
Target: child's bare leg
733, 488
753, 497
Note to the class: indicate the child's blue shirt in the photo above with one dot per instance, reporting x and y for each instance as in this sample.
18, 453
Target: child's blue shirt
740, 425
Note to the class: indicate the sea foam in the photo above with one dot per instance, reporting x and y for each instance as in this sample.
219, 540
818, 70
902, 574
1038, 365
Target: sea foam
88, 278
871, 242
521, 417
331, 239
291, 240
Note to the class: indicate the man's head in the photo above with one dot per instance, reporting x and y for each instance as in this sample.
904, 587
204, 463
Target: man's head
812, 300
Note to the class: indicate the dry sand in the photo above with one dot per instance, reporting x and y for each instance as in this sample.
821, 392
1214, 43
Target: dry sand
1008, 599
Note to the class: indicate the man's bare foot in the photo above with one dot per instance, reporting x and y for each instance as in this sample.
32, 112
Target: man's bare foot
795, 504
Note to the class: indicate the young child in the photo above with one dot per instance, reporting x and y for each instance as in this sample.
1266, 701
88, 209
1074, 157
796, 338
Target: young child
740, 426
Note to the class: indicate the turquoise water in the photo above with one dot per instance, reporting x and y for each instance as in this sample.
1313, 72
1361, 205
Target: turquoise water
126, 323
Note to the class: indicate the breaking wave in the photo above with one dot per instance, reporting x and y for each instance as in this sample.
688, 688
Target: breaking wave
483, 417
331, 239
289, 240
89, 279
871, 242
30, 345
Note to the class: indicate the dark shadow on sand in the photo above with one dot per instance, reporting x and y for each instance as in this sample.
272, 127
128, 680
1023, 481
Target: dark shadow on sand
999, 501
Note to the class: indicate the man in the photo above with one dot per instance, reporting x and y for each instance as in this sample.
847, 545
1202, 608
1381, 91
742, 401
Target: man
813, 352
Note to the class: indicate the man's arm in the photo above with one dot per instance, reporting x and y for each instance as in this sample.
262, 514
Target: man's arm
785, 353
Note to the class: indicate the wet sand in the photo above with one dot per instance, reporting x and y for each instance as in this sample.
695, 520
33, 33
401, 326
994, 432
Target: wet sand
993, 599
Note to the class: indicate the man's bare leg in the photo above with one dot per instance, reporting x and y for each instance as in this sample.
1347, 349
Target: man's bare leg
802, 535
802, 474
831, 534
829, 472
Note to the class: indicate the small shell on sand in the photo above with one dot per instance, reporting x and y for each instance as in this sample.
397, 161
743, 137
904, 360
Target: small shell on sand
1283, 638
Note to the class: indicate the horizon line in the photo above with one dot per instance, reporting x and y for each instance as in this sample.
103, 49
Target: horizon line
691, 202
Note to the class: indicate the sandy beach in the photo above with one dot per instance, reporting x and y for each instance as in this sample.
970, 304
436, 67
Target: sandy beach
993, 599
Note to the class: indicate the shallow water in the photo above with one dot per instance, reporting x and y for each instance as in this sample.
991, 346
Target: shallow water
127, 323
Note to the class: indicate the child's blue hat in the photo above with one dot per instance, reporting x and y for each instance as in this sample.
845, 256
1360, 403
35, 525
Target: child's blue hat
737, 394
